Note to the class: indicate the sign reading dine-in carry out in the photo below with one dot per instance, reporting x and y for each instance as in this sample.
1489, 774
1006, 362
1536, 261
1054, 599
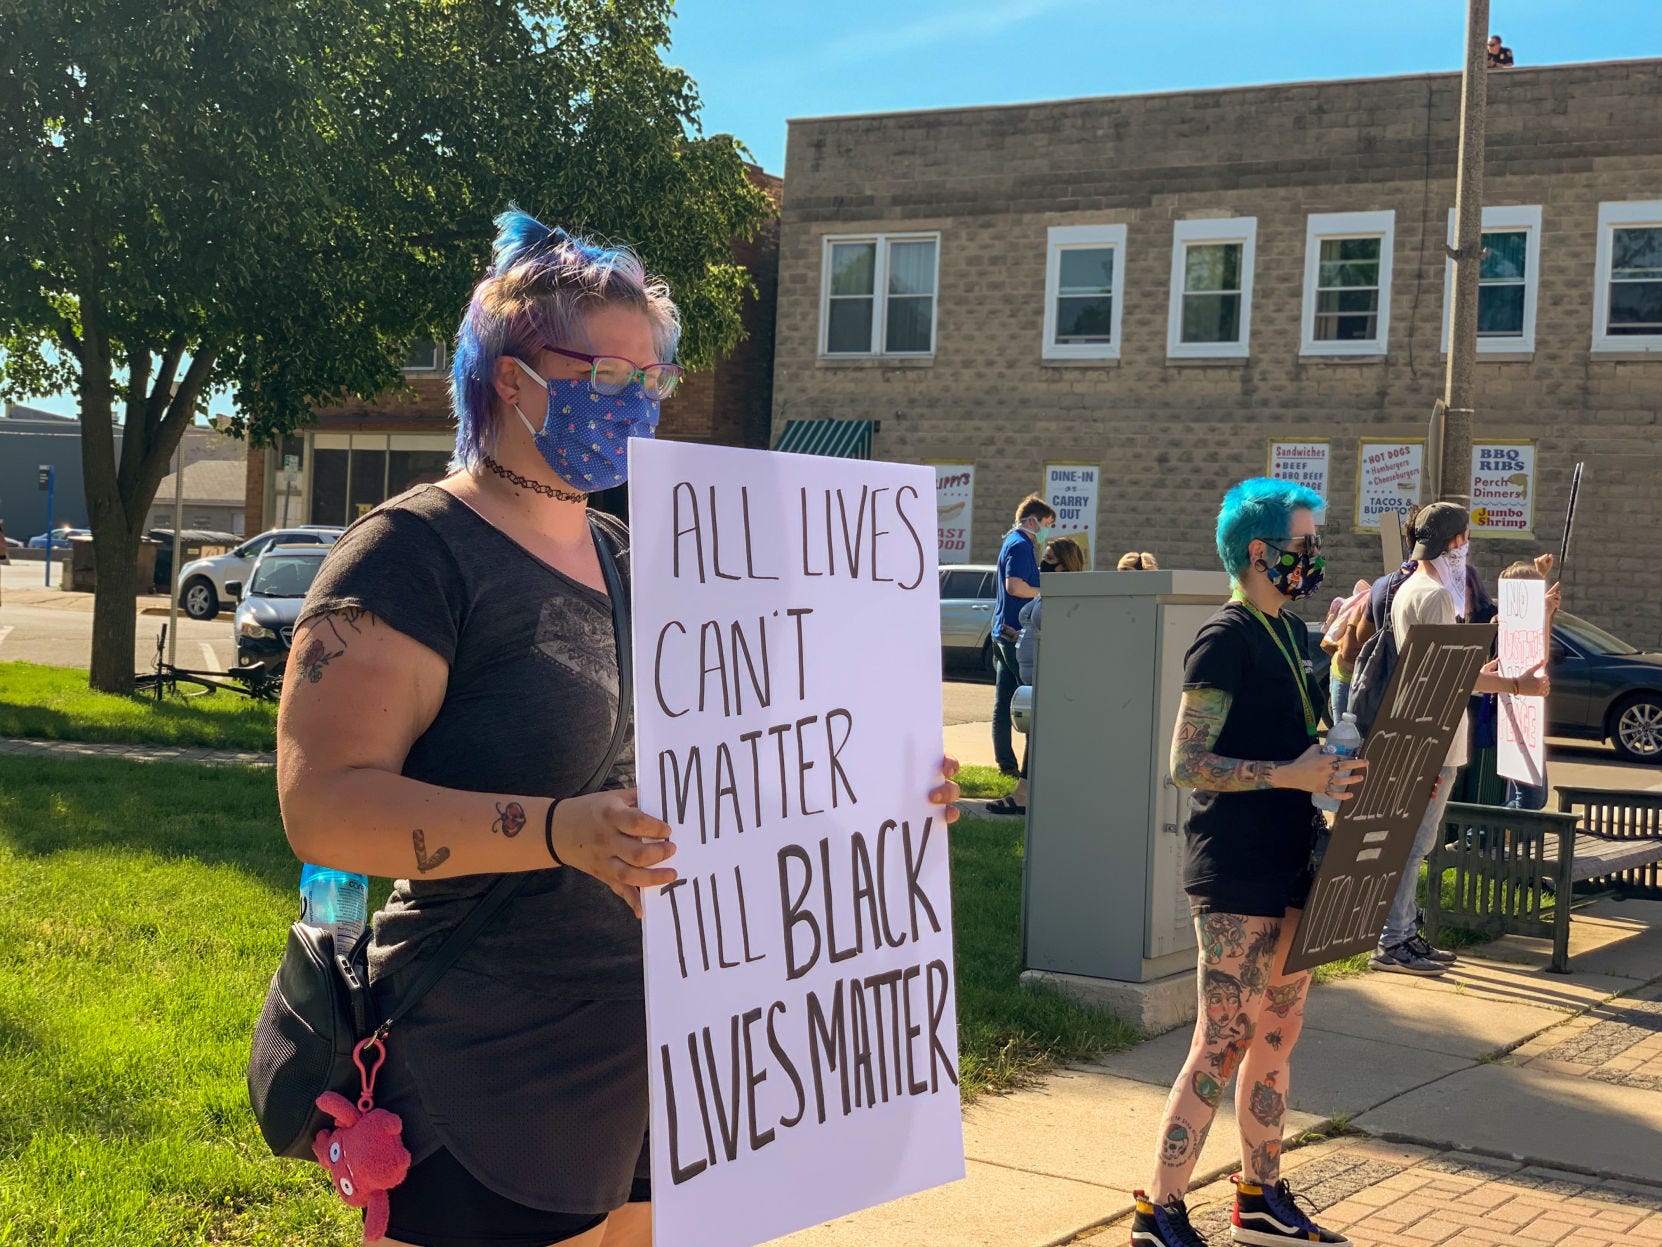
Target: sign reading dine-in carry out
800, 989
1373, 833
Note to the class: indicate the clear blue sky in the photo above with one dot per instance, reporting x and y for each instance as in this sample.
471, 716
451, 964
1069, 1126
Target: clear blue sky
759, 62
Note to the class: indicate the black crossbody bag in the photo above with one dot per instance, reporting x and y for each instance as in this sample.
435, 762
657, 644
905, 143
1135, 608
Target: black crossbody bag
319, 1006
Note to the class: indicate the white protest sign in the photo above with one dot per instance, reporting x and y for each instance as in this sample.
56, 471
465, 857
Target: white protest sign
800, 984
1387, 479
1502, 498
1070, 489
1304, 463
1521, 753
954, 507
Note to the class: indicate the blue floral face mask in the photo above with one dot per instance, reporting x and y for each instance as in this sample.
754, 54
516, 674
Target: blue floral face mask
585, 435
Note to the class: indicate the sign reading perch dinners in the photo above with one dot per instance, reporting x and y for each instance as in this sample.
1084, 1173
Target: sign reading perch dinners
1502, 493
800, 982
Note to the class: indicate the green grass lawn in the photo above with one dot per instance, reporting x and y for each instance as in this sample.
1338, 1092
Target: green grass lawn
985, 782
142, 910
55, 703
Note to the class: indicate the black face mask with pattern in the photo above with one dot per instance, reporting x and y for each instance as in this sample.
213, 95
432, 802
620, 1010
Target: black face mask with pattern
1293, 574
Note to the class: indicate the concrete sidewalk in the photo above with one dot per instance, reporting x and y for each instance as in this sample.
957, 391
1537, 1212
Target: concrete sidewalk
1499, 1059
1390, 1195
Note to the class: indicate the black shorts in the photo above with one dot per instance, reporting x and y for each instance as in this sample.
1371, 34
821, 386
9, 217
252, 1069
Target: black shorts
441, 1204
1252, 898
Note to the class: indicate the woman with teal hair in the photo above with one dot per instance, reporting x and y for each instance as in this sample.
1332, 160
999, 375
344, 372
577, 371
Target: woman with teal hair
1246, 745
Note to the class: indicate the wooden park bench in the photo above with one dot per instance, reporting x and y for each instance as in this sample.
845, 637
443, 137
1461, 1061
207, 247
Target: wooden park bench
1520, 871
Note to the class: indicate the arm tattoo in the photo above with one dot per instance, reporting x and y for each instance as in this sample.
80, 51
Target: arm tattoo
427, 861
510, 819
1194, 765
317, 655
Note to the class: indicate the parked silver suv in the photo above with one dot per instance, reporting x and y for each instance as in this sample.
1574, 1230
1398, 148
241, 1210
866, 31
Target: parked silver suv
202, 582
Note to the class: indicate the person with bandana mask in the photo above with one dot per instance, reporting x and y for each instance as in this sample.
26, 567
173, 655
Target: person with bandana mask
1438, 592
453, 686
1246, 746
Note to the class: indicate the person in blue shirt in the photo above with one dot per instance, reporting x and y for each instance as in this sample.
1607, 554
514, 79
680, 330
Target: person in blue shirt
1018, 582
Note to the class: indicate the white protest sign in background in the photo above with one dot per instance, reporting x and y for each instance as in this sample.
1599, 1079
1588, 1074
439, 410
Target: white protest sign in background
800, 985
1522, 749
1070, 489
954, 508
1387, 479
1304, 463
1503, 474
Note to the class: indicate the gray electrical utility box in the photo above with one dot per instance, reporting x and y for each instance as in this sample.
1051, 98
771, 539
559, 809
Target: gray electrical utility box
1104, 916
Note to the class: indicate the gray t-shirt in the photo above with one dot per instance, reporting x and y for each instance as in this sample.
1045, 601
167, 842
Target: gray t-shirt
543, 1017
529, 710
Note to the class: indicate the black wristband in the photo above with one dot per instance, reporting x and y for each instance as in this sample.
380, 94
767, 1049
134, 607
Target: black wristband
548, 832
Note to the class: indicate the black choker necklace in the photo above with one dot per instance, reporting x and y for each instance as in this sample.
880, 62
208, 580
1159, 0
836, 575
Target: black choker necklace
536, 487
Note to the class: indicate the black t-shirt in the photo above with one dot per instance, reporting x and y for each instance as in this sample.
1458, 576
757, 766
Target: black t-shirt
1266, 834
529, 709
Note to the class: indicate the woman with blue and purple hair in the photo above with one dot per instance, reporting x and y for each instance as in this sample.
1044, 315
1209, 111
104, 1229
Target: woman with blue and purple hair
454, 683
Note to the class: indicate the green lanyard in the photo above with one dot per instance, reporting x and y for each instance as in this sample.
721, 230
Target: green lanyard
1282, 643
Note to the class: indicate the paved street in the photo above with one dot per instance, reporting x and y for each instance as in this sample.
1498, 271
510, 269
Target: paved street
51, 626
968, 710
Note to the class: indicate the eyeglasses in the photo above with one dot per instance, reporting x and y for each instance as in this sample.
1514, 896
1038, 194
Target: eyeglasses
612, 374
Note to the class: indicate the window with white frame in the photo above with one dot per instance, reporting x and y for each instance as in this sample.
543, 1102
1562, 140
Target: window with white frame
879, 295
1347, 283
1507, 280
1211, 288
1627, 301
423, 355
1084, 280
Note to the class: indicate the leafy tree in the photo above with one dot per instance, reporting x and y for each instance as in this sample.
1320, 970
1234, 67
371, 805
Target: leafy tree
275, 196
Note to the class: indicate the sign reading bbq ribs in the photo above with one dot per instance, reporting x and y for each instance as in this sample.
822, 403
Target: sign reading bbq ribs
1373, 833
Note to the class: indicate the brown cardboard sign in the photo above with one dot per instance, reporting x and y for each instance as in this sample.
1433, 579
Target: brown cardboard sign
1373, 832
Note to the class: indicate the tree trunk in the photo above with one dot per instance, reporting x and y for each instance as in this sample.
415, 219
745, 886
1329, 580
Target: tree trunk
114, 609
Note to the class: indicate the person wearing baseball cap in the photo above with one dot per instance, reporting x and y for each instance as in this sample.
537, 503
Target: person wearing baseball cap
1436, 594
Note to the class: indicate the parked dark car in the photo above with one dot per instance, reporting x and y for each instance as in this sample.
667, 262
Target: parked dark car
270, 602
1605, 689
1602, 688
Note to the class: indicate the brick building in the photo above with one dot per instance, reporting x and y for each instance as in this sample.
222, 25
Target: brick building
1162, 285
357, 454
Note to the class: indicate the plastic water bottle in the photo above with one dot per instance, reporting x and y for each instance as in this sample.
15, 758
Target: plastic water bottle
1344, 741
336, 900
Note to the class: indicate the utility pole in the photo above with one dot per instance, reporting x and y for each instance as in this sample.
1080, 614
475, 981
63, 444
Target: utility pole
1450, 445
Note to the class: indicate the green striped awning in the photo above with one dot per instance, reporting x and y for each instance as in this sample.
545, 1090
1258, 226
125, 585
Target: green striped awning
842, 439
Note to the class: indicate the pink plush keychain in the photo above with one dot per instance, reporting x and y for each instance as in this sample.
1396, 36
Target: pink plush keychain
365, 1154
